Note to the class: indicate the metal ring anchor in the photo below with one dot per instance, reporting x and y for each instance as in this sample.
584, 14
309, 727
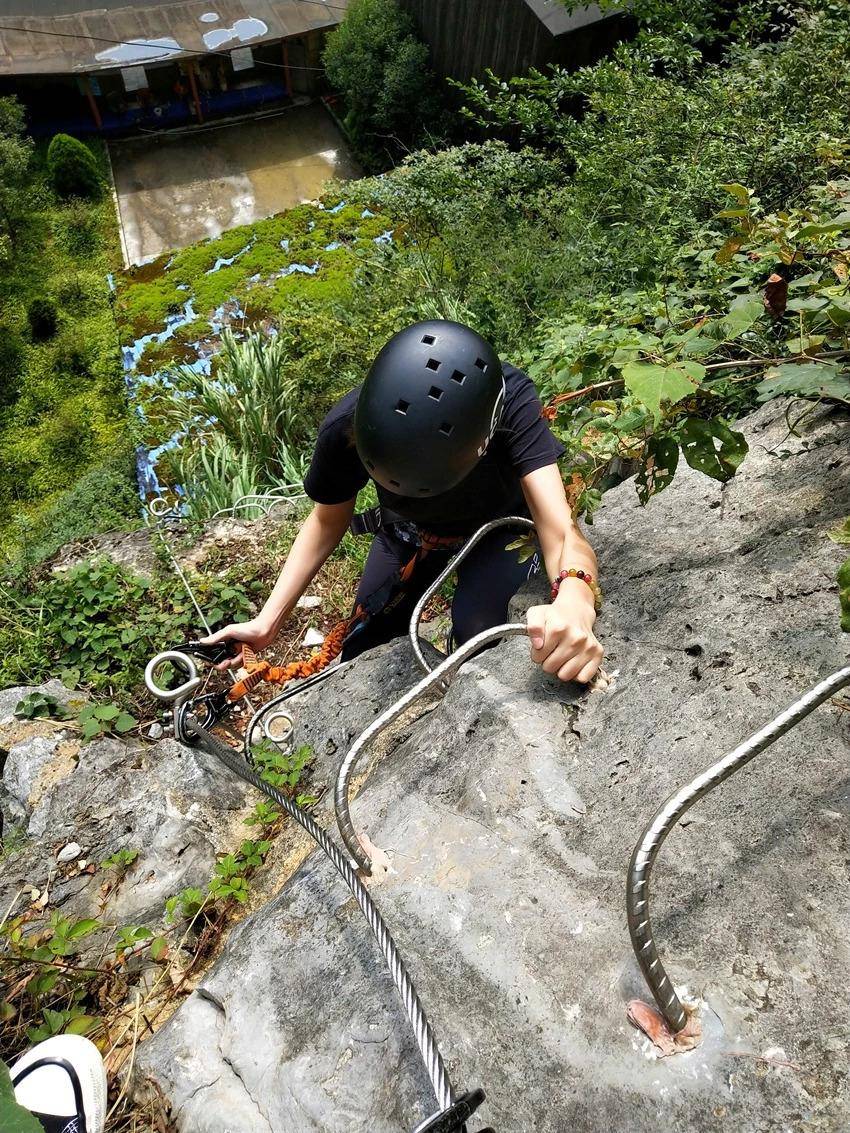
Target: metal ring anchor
181, 661
432, 680
646, 851
416, 616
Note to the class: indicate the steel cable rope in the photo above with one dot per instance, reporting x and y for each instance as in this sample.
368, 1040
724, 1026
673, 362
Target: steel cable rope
452, 1112
646, 851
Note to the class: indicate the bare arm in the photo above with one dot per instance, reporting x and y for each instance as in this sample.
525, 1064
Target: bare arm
320, 534
562, 637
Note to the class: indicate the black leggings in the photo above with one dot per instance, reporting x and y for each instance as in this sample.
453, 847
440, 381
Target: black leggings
486, 582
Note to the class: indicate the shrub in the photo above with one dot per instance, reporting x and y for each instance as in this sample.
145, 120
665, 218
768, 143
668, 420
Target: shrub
11, 365
73, 169
42, 319
375, 58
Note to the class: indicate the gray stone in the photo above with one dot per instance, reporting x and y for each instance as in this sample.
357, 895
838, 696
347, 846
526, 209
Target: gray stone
510, 812
168, 802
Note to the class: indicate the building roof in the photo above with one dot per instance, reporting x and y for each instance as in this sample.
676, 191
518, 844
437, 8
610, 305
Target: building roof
157, 30
559, 19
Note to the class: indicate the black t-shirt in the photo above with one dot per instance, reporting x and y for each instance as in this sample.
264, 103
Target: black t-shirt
522, 443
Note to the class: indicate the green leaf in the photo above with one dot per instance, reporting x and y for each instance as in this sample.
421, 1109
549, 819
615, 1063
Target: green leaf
712, 448
82, 1024
844, 594
805, 379
13, 1117
658, 385
107, 712
659, 467
55, 1020
159, 946
744, 311
739, 192
125, 722
81, 929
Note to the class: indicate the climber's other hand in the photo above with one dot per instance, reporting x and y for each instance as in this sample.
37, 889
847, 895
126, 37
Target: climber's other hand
562, 638
256, 633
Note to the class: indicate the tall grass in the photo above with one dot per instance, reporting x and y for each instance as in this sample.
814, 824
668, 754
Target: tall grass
247, 429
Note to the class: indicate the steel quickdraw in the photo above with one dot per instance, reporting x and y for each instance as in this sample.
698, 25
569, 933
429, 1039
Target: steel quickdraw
453, 1112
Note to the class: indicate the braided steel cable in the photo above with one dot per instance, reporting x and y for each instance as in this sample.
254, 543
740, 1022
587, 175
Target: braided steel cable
432, 680
416, 616
646, 851
425, 1039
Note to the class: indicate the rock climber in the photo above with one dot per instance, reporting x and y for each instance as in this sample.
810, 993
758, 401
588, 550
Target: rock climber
452, 438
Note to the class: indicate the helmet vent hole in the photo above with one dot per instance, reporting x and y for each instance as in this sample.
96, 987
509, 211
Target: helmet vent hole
481, 364
370, 464
402, 407
446, 429
429, 340
395, 483
435, 392
459, 377
424, 491
433, 364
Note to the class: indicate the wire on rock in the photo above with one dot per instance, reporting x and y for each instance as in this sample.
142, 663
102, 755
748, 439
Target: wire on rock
425, 1039
652, 839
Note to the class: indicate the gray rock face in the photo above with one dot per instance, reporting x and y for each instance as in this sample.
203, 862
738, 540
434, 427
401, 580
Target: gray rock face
510, 812
165, 801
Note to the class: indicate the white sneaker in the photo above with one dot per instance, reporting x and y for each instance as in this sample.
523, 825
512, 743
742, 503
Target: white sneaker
62, 1082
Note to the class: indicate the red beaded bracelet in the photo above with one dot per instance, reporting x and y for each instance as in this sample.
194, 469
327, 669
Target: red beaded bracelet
585, 576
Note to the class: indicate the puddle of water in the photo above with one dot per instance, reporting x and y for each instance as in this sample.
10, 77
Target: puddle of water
226, 261
140, 51
209, 17
242, 30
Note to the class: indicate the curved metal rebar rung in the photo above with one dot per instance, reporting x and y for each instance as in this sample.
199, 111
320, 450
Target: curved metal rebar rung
416, 616
425, 1038
646, 851
442, 672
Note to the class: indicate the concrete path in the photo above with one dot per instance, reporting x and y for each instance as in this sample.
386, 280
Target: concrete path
174, 189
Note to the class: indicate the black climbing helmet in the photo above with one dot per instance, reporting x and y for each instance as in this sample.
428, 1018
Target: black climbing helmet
428, 408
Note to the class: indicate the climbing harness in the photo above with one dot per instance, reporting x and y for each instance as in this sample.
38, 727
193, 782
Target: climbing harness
453, 1112
652, 839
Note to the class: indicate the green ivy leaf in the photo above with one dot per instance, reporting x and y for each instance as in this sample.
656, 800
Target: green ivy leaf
107, 712
805, 379
712, 448
660, 461
658, 385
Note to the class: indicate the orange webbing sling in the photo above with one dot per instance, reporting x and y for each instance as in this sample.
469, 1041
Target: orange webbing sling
280, 674
259, 671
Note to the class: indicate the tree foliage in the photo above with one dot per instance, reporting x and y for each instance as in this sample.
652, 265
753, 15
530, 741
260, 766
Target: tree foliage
381, 67
15, 157
73, 169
